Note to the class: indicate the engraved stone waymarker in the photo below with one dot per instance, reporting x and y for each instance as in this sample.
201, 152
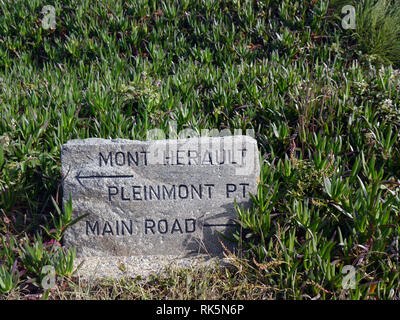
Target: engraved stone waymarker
161, 197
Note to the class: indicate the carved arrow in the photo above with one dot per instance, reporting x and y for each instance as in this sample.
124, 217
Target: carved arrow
219, 225
79, 177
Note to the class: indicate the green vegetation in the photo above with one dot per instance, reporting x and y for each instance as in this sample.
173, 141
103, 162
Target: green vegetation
377, 31
323, 103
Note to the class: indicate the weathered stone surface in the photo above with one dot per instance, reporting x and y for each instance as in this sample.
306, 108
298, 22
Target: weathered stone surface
164, 197
118, 267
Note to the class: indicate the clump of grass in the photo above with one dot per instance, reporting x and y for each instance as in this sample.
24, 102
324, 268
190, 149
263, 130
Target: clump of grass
379, 30
377, 33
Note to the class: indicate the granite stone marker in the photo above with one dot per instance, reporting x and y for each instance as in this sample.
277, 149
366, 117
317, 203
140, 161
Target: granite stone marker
161, 197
